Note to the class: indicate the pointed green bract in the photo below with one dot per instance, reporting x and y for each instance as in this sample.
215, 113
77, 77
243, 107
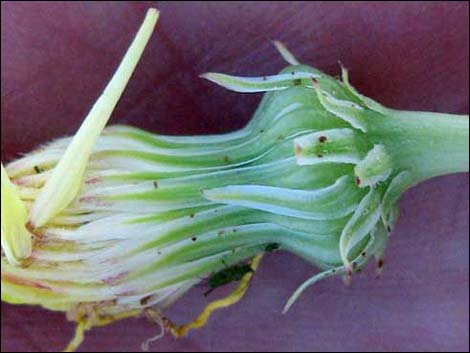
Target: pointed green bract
371, 104
376, 167
349, 111
261, 84
362, 222
285, 53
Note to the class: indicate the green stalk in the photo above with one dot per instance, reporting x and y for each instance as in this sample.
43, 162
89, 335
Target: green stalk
427, 144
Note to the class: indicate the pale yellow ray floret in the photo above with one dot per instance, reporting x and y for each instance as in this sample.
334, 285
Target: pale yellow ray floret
67, 177
16, 239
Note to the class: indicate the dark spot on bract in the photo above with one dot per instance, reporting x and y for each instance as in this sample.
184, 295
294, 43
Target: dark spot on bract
221, 232
155, 184
297, 82
191, 215
358, 181
226, 159
271, 247
380, 264
363, 254
37, 169
389, 229
322, 139
144, 301
194, 238
320, 155
292, 73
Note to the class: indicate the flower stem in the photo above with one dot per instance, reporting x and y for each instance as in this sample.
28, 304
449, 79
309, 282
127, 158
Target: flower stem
426, 144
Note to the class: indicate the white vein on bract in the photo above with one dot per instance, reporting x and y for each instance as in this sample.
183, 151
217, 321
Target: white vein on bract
259, 84
276, 200
346, 110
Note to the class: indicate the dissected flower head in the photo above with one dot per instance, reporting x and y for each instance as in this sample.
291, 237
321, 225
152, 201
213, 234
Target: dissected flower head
110, 222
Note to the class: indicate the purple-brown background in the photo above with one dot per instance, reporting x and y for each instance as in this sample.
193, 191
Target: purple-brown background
57, 57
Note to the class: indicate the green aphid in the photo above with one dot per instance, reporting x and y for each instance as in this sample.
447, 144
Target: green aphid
272, 247
230, 274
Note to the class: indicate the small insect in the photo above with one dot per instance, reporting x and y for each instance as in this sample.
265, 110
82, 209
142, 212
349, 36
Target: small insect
226, 276
272, 247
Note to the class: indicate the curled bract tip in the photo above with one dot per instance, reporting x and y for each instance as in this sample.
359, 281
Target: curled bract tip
285, 53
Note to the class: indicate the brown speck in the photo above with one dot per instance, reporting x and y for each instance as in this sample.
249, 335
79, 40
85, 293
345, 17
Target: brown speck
315, 81
94, 180
155, 184
113, 302
298, 150
37, 233
380, 264
37, 169
28, 262
322, 139
226, 159
145, 300
358, 181
389, 229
